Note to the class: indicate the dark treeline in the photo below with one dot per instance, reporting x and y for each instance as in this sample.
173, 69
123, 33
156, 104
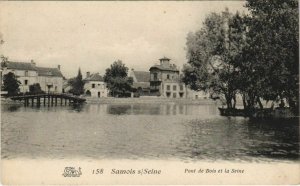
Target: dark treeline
77, 84
117, 80
255, 55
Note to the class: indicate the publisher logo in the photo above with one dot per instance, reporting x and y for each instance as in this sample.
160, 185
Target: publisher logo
72, 172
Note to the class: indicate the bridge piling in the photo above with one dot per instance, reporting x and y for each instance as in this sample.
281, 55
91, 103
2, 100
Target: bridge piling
36, 98
51, 100
38, 101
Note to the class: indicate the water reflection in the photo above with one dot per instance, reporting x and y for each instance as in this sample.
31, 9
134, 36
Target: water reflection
274, 138
237, 138
154, 131
77, 107
10, 108
155, 109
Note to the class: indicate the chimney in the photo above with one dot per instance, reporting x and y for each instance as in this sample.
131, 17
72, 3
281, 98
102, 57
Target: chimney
87, 74
58, 66
32, 62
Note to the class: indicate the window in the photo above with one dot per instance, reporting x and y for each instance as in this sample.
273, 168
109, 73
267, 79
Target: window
168, 87
181, 94
181, 87
174, 87
155, 77
93, 85
168, 94
174, 95
168, 76
25, 81
26, 73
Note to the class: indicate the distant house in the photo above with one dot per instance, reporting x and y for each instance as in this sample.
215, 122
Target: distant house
95, 86
196, 94
50, 79
165, 80
141, 82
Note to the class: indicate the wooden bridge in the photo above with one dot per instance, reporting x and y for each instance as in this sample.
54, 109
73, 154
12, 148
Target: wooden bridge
48, 99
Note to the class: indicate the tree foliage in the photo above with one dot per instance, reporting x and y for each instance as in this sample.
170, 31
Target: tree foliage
77, 84
117, 81
10, 84
35, 88
212, 52
273, 50
256, 55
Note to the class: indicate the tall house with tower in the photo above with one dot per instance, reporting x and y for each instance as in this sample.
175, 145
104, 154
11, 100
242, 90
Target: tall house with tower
165, 80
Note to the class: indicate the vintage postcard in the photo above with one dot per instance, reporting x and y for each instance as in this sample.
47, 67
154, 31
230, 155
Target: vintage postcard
149, 92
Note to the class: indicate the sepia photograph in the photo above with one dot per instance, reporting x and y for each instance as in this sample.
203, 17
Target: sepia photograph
149, 92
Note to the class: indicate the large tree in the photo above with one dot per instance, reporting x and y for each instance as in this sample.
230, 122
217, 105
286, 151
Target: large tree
77, 84
212, 53
10, 84
272, 54
117, 80
256, 55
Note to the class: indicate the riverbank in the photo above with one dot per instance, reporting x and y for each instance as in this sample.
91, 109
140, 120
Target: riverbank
7, 101
141, 100
150, 100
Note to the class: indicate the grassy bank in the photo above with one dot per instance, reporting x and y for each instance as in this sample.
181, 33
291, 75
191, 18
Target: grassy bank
8, 101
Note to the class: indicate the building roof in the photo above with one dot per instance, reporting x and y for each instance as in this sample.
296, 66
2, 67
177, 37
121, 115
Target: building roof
18, 65
143, 85
94, 77
165, 68
142, 76
165, 58
43, 71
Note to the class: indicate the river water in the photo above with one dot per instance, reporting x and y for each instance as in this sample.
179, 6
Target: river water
144, 131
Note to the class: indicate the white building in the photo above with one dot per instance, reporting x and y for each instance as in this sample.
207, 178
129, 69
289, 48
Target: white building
50, 79
95, 86
192, 94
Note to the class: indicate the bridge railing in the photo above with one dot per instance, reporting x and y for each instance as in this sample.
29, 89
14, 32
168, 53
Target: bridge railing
46, 94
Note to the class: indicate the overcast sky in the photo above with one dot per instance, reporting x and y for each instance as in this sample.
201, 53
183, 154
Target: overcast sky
92, 35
